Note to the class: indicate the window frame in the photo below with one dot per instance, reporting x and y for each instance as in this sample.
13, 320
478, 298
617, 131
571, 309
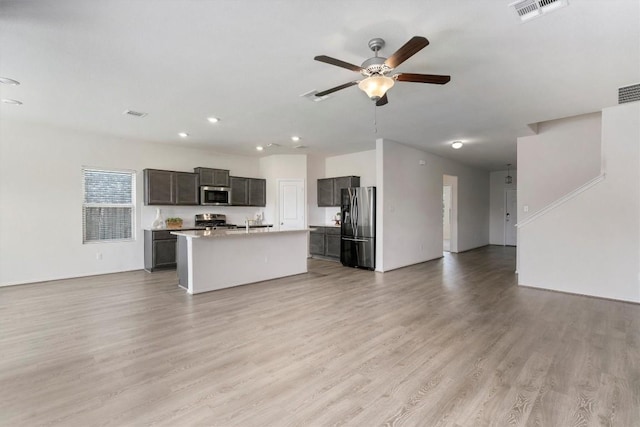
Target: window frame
131, 205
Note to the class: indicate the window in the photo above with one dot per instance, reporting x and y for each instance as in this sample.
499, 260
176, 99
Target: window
108, 208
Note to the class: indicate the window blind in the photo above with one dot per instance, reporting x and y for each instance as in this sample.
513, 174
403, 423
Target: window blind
108, 209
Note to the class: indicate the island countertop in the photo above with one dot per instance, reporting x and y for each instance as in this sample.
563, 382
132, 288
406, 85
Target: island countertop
238, 232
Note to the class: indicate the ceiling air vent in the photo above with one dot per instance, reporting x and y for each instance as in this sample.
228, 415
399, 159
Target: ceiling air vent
529, 9
629, 94
134, 113
311, 96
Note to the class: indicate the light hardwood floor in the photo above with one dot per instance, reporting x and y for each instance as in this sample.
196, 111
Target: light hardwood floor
451, 342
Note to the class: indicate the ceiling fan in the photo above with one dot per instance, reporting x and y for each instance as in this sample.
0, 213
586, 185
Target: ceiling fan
376, 70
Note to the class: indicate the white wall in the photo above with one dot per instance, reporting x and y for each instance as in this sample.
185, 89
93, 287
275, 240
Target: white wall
41, 198
362, 164
315, 170
590, 244
553, 169
280, 166
410, 205
497, 202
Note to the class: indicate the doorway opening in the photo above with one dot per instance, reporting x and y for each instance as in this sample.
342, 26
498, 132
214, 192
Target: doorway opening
446, 218
449, 213
510, 217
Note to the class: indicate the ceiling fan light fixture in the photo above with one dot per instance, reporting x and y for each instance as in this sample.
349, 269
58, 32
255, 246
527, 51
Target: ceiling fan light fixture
376, 86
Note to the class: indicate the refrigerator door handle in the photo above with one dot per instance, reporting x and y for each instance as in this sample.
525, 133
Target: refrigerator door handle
355, 240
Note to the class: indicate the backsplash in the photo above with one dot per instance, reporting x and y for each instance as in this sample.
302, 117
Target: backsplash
235, 214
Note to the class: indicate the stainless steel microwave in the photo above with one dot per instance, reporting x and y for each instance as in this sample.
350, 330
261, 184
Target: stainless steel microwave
215, 196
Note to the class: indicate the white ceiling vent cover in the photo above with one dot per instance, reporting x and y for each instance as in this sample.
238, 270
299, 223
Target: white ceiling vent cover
529, 9
134, 113
629, 94
311, 96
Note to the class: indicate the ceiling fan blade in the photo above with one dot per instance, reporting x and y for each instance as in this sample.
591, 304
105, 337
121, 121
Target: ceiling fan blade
338, 63
337, 88
382, 101
410, 48
423, 78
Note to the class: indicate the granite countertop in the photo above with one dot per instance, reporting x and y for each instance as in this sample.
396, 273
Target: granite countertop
204, 228
175, 229
239, 232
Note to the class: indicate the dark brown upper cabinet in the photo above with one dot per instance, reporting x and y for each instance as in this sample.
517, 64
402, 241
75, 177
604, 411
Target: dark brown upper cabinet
162, 187
213, 177
329, 189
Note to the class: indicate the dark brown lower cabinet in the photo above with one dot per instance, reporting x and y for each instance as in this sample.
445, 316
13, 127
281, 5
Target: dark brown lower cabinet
316, 242
324, 242
159, 250
332, 245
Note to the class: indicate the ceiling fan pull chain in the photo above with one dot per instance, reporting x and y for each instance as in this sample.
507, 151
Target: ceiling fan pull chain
375, 118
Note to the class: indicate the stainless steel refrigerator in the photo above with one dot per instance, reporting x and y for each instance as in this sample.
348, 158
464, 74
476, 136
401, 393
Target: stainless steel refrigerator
358, 231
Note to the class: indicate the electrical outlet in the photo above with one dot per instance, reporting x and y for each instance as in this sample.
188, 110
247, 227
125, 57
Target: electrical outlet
525, 208
99, 256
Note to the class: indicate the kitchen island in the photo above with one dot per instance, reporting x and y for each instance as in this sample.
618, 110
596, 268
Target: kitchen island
215, 259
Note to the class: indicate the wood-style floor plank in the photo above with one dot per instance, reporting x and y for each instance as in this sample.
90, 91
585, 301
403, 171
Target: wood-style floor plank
451, 342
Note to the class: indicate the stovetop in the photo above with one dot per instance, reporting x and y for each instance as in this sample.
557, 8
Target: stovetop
212, 221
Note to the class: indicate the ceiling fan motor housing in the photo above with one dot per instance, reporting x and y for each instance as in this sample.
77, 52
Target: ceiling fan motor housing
375, 65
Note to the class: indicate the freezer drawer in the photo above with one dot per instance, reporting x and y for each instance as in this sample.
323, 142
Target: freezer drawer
358, 252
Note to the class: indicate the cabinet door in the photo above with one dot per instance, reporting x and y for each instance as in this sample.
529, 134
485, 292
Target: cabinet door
221, 178
257, 192
187, 188
213, 177
343, 182
332, 245
239, 191
325, 192
164, 253
159, 187
316, 243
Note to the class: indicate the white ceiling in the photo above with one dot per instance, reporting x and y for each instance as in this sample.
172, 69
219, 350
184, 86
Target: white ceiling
82, 63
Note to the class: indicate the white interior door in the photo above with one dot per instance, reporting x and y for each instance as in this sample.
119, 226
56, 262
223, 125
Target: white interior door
510, 217
291, 204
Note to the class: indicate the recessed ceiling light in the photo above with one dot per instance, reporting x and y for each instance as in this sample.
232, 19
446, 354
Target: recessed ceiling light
11, 101
259, 148
295, 138
457, 145
213, 119
183, 134
8, 81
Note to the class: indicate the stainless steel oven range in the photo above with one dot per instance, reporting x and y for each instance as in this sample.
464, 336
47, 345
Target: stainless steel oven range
213, 221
